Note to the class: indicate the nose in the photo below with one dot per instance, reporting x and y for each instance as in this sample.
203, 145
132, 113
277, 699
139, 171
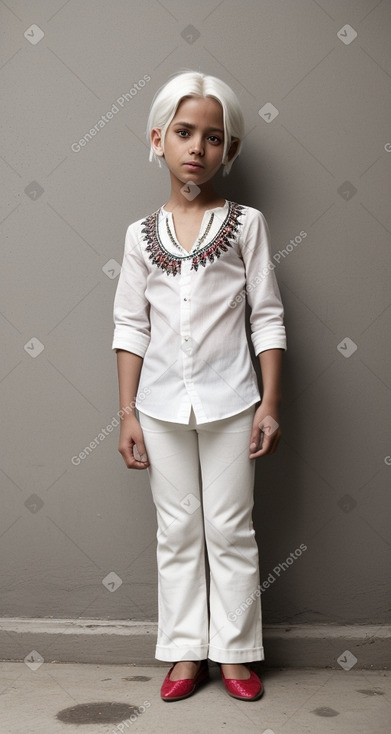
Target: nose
197, 146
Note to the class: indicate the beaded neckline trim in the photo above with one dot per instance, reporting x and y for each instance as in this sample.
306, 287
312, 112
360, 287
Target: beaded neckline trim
171, 263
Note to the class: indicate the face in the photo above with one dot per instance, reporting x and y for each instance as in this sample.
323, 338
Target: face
194, 140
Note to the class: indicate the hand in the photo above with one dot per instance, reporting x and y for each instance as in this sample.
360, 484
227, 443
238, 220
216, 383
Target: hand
131, 437
266, 430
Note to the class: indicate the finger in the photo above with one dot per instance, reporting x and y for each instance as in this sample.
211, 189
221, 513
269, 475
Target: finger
268, 431
262, 448
139, 465
131, 461
255, 438
139, 452
257, 446
269, 445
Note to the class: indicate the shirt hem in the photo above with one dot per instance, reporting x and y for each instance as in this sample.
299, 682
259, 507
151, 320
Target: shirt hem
199, 423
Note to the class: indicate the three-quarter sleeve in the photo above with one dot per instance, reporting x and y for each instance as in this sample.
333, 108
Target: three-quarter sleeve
262, 291
131, 307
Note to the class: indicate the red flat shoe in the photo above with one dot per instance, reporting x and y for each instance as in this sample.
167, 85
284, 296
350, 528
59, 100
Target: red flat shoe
175, 690
249, 689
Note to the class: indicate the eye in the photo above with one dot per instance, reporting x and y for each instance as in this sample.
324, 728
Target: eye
185, 133
214, 139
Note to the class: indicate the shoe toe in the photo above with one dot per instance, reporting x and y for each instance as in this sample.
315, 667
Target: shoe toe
248, 689
174, 690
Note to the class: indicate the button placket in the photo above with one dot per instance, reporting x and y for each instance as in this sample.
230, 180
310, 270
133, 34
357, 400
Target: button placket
187, 343
185, 323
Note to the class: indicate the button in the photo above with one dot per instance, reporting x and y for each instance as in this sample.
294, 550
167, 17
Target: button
186, 338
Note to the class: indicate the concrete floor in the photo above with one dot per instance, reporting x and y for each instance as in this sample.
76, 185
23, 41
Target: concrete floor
295, 701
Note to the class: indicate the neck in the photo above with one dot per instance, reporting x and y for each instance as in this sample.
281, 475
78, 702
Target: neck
205, 199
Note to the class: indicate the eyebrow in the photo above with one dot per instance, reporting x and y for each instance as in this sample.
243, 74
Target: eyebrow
192, 127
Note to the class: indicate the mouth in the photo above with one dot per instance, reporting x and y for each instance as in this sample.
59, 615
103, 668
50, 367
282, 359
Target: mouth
193, 165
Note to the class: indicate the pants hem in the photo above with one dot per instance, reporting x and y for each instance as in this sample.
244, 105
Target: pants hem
248, 655
172, 654
216, 654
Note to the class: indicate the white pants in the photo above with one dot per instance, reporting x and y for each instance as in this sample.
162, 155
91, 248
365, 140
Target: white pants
202, 484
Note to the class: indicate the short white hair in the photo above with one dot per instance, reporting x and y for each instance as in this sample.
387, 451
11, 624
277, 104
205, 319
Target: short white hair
195, 84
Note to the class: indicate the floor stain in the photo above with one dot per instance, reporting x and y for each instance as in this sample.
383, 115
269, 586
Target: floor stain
371, 691
325, 711
104, 712
137, 677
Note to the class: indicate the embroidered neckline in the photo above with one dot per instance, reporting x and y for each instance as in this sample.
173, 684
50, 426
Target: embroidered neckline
170, 262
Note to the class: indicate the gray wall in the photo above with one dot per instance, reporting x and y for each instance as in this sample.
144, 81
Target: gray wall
321, 166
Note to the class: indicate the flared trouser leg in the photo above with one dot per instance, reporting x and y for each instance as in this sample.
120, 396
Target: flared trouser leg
235, 634
174, 475
202, 487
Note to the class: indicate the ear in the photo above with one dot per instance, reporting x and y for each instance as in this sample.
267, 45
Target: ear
232, 149
156, 141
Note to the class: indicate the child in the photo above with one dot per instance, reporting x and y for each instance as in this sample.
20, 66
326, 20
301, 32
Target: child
184, 364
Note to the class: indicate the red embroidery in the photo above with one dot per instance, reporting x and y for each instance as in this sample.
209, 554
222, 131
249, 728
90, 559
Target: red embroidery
171, 263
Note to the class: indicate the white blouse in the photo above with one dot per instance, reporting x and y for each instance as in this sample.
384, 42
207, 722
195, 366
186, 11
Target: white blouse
184, 312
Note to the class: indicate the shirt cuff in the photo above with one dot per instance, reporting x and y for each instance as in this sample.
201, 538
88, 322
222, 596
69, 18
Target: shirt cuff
274, 339
136, 343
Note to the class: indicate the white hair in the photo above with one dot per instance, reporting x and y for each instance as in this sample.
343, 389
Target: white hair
194, 84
